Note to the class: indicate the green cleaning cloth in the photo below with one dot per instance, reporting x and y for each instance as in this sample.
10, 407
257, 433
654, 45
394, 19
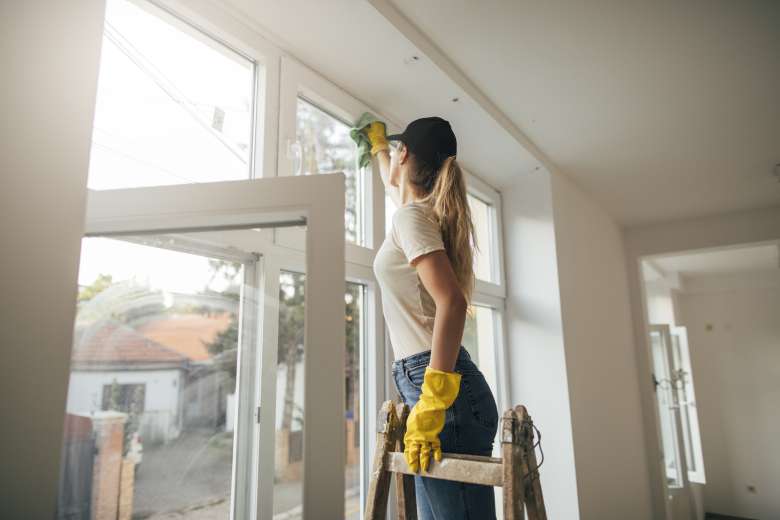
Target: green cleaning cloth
361, 139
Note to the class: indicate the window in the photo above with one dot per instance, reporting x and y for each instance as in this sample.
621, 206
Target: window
665, 390
153, 374
325, 146
481, 216
356, 336
389, 211
288, 484
126, 398
288, 474
686, 398
174, 106
479, 339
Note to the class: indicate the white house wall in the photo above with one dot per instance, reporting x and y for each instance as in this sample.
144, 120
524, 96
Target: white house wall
160, 422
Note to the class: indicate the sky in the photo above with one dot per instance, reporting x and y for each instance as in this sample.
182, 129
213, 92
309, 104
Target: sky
158, 91
160, 269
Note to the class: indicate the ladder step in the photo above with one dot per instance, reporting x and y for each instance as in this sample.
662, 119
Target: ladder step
472, 469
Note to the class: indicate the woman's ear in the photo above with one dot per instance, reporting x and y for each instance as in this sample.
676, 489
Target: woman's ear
403, 154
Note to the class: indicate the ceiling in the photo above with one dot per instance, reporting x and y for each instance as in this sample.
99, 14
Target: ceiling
659, 110
725, 261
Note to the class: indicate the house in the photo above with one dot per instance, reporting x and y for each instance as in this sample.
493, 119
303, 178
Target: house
113, 361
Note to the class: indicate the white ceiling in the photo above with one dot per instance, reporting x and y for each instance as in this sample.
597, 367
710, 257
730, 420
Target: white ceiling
660, 110
352, 44
725, 261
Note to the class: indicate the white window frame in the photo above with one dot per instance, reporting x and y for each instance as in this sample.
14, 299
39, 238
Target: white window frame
296, 81
316, 201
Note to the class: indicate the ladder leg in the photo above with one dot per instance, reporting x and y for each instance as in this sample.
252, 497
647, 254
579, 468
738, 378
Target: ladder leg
406, 500
513, 479
532, 486
379, 488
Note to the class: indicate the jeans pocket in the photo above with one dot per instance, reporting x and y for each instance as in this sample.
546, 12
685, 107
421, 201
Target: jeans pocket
415, 376
480, 399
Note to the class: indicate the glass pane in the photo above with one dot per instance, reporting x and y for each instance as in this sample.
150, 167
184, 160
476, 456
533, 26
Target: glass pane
480, 342
326, 147
173, 106
483, 258
389, 212
479, 339
665, 400
150, 406
680, 380
481, 217
356, 335
288, 487
288, 459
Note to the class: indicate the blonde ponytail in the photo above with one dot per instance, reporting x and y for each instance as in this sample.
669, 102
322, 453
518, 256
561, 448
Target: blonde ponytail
450, 206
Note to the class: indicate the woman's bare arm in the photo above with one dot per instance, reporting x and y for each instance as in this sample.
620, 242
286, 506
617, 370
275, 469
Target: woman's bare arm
435, 272
391, 185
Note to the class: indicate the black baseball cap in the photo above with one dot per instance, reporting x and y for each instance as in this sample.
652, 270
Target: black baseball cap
430, 139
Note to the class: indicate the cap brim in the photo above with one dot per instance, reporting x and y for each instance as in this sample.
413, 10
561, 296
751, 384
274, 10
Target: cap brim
395, 137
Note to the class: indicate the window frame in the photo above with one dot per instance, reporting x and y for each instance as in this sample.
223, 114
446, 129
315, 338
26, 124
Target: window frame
315, 200
216, 24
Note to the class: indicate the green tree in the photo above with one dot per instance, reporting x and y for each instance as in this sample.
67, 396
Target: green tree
291, 323
101, 283
327, 147
224, 346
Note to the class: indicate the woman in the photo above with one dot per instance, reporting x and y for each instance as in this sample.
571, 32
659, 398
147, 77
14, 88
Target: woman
424, 269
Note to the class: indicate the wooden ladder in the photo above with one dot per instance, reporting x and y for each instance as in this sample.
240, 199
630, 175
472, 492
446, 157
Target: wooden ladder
516, 471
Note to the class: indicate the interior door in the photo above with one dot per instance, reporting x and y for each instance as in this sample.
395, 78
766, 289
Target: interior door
668, 398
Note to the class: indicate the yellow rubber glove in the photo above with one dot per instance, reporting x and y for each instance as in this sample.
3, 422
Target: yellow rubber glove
426, 420
377, 135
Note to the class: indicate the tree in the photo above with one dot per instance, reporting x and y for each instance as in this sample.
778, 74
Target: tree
327, 147
354, 303
224, 346
291, 323
101, 283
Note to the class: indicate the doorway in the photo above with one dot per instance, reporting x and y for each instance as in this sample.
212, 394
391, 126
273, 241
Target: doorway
711, 334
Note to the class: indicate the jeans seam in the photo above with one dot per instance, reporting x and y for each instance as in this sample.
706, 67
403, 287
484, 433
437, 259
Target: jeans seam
473, 406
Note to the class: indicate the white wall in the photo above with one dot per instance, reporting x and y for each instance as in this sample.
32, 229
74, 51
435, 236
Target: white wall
736, 366
160, 420
537, 361
49, 53
660, 304
612, 475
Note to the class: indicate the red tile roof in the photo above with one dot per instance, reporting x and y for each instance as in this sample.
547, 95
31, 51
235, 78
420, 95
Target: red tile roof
187, 334
113, 342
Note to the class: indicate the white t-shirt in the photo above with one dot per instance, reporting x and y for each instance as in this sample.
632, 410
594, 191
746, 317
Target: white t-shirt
408, 307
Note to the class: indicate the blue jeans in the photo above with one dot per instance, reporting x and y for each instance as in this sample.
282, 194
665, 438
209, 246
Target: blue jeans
470, 427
